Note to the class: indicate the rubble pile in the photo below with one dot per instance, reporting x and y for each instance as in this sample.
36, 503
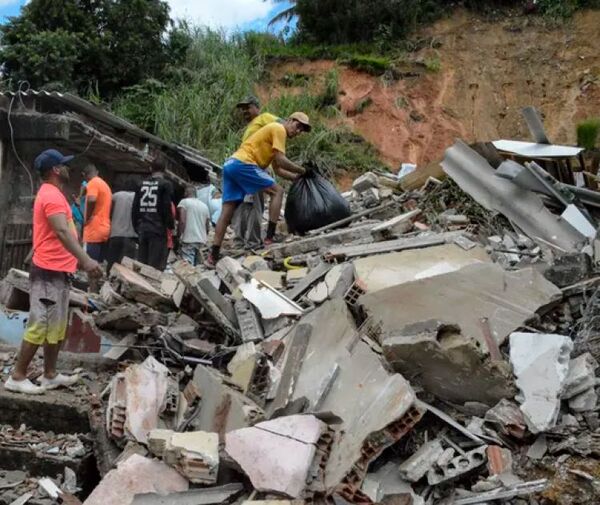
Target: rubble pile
438, 346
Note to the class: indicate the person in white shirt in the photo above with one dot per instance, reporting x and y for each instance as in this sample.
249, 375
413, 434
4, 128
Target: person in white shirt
194, 223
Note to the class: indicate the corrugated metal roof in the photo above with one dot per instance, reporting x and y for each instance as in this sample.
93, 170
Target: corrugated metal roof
68, 103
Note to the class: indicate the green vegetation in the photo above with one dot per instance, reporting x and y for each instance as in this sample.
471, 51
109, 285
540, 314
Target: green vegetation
196, 104
81, 45
588, 132
433, 64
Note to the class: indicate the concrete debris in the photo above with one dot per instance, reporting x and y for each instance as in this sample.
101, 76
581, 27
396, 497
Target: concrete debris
581, 377
541, 364
134, 476
428, 455
300, 372
286, 449
460, 465
137, 397
195, 454
204, 496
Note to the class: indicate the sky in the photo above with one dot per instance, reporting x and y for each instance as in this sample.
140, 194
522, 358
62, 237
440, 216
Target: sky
230, 14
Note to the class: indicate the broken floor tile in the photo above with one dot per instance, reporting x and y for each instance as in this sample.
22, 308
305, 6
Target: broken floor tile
136, 475
278, 454
540, 363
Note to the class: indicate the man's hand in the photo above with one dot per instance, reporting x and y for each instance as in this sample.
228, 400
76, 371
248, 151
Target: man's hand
91, 267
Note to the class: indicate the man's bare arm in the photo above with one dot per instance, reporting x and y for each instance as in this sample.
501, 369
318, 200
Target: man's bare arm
182, 220
285, 174
281, 162
59, 224
90, 205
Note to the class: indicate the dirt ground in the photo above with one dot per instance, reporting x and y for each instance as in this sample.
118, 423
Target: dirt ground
489, 71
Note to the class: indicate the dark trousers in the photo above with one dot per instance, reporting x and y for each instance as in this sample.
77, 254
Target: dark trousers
153, 250
118, 248
96, 250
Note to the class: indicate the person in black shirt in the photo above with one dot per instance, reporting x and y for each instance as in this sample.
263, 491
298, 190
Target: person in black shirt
152, 216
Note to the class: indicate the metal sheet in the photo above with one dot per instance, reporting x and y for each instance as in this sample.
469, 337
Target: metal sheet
533, 150
524, 208
535, 125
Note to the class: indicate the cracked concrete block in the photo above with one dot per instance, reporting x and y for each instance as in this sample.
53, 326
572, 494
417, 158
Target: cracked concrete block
584, 402
335, 284
396, 226
460, 465
136, 475
477, 291
447, 363
582, 375
319, 293
284, 449
415, 467
296, 275
447, 456
129, 317
365, 181
541, 364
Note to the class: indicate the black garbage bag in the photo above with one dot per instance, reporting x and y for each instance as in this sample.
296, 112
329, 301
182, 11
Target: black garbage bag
313, 202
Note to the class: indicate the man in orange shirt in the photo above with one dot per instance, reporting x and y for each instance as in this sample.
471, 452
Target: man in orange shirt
56, 254
96, 228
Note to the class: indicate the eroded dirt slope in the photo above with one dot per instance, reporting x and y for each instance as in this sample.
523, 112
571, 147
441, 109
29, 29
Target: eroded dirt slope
489, 71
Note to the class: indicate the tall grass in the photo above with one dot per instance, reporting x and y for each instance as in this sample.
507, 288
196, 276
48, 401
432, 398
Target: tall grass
588, 132
196, 106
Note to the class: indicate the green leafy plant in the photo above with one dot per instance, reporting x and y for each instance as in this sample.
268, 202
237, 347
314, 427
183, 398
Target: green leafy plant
588, 132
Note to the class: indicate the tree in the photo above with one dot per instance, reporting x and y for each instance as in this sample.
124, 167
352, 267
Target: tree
286, 14
82, 44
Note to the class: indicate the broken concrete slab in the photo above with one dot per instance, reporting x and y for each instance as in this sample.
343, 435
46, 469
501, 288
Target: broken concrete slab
452, 366
581, 377
484, 290
136, 475
401, 244
324, 242
134, 287
386, 270
255, 263
541, 364
285, 448
242, 365
506, 417
313, 276
223, 409
137, 397
415, 467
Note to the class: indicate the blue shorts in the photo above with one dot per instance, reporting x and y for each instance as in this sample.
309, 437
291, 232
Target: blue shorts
241, 179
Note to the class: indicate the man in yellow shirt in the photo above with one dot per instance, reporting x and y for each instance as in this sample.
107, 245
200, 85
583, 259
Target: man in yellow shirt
247, 219
245, 174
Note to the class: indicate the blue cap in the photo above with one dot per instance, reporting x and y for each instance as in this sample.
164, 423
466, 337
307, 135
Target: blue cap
50, 158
